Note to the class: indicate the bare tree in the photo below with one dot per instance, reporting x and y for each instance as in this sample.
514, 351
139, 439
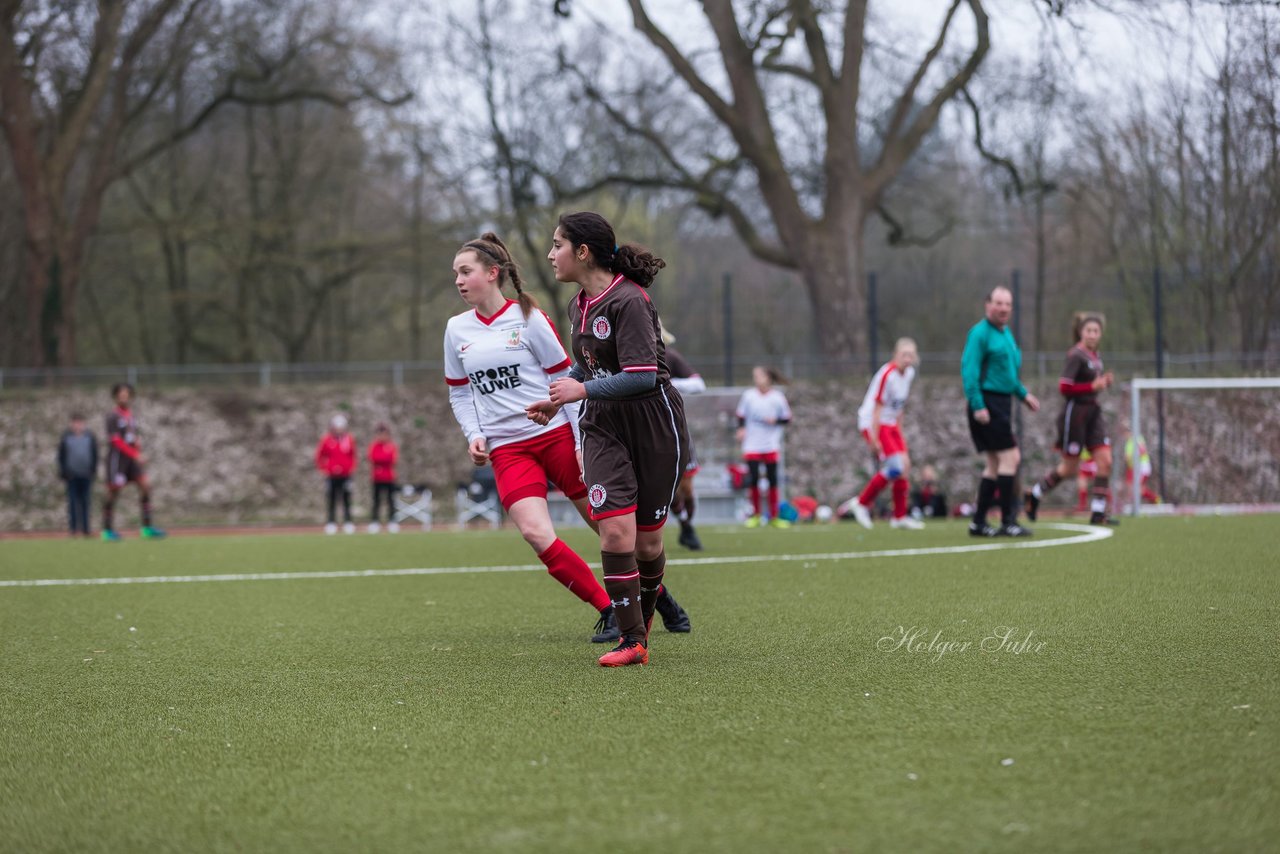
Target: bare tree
816, 217
80, 83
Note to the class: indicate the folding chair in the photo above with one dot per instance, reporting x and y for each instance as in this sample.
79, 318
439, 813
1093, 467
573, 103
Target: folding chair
413, 501
479, 499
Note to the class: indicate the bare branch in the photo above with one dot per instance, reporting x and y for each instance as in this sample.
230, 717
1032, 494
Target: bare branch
991, 157
682, 66
898, 149
898, 236
908, 97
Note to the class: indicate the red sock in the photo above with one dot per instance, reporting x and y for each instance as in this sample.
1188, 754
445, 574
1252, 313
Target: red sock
754, 493
873, 489
1083, 503
773, 501
572, 571
900, 498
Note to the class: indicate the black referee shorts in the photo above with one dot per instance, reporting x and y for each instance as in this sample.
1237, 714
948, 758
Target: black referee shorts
996, 434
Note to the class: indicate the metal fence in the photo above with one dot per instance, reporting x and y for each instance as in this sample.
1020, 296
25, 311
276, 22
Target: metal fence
714, 369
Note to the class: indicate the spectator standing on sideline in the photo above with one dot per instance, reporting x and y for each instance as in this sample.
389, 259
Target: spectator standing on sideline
1149, 495
336, 460
383, 454
125, 465
77, 465
928, 498
989, 369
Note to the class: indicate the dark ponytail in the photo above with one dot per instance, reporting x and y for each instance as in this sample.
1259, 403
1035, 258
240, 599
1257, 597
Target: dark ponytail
587, 228
491, 251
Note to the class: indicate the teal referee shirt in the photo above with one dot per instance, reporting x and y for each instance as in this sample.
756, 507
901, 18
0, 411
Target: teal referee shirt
990, 362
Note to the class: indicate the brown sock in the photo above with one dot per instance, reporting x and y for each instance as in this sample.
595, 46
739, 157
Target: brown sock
622, 581
651, 572
1101, 494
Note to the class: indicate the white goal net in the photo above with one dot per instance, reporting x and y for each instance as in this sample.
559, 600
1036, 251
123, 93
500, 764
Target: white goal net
1220, 449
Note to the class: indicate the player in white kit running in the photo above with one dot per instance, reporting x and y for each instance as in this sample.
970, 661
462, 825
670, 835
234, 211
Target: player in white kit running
500, 357
880, 423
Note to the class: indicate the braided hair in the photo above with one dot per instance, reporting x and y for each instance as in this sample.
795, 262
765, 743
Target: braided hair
492, 252
587, 228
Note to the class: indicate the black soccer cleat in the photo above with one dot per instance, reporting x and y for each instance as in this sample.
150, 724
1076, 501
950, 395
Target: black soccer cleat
689, 537
1102, 519
1031, 504
981, 530
606, 630
1013, 529
674, 618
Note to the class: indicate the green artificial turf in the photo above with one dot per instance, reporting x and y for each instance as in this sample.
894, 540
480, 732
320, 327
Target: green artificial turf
464, 712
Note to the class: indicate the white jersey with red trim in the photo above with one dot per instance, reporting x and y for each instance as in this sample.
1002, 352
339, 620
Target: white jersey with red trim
889, 388
506, 360
757, 410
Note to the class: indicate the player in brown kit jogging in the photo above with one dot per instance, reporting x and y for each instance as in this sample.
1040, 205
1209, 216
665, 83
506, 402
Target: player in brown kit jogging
1081, 425
634, 439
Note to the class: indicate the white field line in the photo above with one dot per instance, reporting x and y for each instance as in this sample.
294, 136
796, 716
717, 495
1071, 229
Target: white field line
1083, 534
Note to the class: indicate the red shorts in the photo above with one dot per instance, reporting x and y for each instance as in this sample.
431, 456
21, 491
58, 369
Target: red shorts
522, 469
891, 441
770, 457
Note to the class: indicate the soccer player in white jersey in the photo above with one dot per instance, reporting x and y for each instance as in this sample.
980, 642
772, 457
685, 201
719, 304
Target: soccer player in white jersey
880, 423
500, 357
762, 413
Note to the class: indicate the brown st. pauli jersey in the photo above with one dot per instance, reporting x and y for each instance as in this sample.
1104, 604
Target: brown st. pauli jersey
617, 331
1078, 374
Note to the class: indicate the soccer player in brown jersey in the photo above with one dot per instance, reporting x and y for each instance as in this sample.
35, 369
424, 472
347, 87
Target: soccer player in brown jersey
634, 438
125, 465
500, 357
688, 381
1081, 425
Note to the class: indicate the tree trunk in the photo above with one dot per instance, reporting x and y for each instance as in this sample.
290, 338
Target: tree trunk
832, 267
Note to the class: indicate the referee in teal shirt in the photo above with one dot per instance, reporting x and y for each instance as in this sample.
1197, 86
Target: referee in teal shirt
989, 368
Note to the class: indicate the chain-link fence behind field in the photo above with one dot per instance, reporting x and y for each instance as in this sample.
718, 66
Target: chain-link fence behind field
713, 368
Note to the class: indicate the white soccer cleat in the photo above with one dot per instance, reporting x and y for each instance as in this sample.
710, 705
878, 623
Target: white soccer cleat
906, 523
331, 528
861, 514
348, 528
393, 527
374, 528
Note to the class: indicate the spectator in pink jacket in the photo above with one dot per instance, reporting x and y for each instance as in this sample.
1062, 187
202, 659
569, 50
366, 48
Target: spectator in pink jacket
383, 455
336, 460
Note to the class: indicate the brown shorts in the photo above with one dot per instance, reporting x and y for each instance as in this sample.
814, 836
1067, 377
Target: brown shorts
634, 453
1081, 426
122, 469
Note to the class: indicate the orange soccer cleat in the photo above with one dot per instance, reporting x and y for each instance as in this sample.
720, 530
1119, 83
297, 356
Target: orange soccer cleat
627, 652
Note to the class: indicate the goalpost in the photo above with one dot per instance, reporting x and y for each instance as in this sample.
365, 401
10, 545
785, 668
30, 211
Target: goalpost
1242, 437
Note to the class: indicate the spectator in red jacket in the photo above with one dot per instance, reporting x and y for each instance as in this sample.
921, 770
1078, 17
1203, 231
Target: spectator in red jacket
383, 455
336, 459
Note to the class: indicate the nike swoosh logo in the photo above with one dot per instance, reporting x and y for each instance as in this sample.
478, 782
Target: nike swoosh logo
463, 348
